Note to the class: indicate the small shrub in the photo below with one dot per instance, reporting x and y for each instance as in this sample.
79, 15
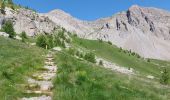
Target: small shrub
101, 62
138, 56
6, 75
71, 51
109, 42
78, 53
81, 77
9, 29
63, 44
164, 77
50, 42
61, 35
57, 41
68, 40
120, 49
75, 35
100, 40
90, 57
130, 51
148, 60
133, 53
41, 41
81, 55
24, 35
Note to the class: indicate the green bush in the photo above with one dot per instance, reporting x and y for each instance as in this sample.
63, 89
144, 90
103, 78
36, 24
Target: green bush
50, 42
9, 29
164, 77
78, 53
101, 62
75, 35
57, 41
138, 56
23, 36
81, 77
41, 41
109, 42
120, 49
100, 40
148, 60
68, 40
90, 57
72, 51
61, 34
63, 44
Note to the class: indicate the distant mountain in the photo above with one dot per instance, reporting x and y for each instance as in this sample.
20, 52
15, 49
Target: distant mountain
143, 30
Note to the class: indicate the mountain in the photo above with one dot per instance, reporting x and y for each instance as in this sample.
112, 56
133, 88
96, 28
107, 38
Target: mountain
143, 30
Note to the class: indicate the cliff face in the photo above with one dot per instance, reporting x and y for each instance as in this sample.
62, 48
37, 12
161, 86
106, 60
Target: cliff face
143, 30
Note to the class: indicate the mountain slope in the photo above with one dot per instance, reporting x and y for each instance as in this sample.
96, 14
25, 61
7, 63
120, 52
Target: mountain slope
18, 61
143, 30
98, 83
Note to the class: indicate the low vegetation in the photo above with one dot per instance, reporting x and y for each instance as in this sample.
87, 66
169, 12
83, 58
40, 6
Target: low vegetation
17, 60
88, 56
52, 40
164, 76
24, 36
9, 29
78, 79
122, 57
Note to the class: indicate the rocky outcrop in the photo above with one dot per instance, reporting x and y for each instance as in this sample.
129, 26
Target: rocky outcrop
27, 20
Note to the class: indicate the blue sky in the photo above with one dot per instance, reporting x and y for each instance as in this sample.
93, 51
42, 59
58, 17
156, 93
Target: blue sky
91, 9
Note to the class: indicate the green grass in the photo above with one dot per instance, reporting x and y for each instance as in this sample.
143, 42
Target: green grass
17, 60
77, 79
113, 54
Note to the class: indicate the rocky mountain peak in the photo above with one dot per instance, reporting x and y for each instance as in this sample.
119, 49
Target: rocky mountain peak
59, 12
135, 7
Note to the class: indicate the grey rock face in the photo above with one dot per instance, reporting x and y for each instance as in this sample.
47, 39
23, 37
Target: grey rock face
26, 20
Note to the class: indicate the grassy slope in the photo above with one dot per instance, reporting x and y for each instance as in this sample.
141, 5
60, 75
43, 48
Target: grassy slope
112, 53
77, 80
17, 60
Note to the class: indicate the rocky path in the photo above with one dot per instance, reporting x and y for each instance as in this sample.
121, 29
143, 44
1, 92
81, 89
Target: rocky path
115, 67
40, 83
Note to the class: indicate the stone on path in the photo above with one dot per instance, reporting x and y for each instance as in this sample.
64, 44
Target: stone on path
38, 98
